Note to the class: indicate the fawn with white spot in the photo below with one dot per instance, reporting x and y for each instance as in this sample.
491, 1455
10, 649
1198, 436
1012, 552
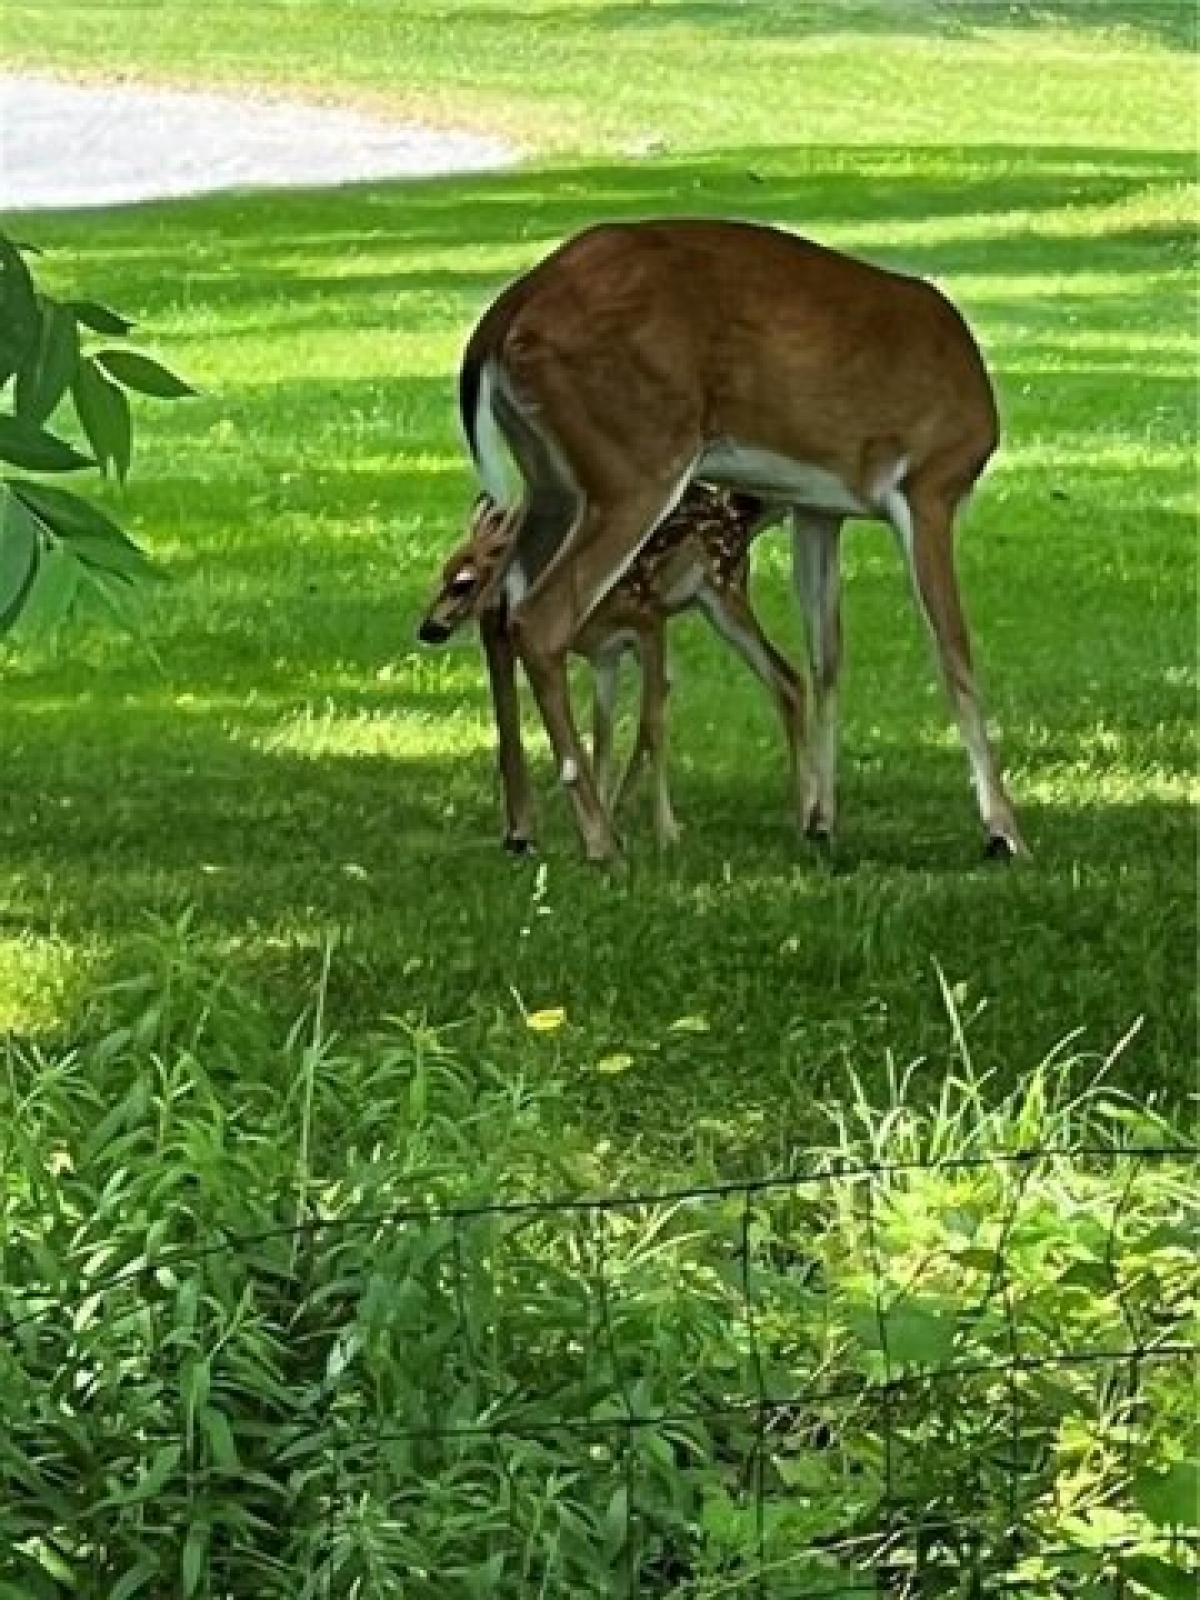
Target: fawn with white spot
697, 559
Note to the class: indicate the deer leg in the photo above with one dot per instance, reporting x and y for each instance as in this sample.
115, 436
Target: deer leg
604, 544
815, 541
924, 523
605, 668
633, 767
652, 733
510, 751
636, 764
734, 618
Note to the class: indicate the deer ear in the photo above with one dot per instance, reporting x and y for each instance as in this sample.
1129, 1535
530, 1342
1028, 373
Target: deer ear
493, 587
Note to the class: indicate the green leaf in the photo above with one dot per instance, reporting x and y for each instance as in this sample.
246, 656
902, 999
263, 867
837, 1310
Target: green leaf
1171, 1499
56, 1565
20, 319
36, 450
122, 561
162, 1464
195, 1553
51, 595
197, 1382
219, 1434
1087, 1275
20, 551
1161, 1578
50, 366
136, 1578
103, 412
68, 515
127, 1113
143, 374
111, 595
919, 1336
978, 1260
615, 1527
804, 1472
92, 537
485, 1580
100, 318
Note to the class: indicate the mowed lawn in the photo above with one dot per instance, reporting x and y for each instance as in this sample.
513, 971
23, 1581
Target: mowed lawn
275, 752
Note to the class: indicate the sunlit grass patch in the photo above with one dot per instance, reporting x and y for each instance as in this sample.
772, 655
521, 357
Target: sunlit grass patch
319, 733
43, 978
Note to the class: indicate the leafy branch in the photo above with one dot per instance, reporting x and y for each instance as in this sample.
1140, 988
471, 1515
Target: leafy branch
55, 545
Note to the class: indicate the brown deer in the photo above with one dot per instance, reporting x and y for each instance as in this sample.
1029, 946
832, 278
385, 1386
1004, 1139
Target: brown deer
697, 558
641, 355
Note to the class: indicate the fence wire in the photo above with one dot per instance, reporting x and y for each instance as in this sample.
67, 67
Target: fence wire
683, 1388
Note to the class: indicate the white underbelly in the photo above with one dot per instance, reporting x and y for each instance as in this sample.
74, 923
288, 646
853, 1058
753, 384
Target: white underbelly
762, 471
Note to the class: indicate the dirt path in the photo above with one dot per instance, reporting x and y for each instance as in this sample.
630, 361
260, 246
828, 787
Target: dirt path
66, 144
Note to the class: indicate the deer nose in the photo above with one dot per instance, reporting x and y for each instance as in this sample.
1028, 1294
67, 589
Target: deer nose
432, 631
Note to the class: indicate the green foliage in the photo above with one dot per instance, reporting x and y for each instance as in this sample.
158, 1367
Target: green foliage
268, 1334
54, 545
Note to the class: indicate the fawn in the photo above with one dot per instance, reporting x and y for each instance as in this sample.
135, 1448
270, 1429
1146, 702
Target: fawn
697, 559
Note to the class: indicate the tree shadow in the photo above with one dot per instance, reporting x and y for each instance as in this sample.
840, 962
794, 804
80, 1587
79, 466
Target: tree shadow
1168, 23
247, 251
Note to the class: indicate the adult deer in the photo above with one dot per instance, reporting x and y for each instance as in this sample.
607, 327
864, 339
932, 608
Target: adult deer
641, 355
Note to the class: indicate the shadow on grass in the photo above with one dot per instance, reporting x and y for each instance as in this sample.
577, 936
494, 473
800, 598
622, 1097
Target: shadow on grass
229, 252
1171, 23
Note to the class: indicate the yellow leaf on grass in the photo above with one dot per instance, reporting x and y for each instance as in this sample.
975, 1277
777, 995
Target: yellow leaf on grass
689, 1025
546, 1021
615, 1063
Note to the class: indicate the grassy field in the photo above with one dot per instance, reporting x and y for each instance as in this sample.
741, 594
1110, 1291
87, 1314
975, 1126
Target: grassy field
275, 753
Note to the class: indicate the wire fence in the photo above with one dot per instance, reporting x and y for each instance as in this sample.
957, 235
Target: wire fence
903, 1379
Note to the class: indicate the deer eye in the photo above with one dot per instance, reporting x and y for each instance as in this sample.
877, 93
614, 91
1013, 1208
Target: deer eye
462, 582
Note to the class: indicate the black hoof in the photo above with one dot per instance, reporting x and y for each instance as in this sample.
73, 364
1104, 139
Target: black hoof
998, 848
819, 836
518, 845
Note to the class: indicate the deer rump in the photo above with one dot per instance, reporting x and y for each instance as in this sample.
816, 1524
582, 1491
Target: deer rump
651, 353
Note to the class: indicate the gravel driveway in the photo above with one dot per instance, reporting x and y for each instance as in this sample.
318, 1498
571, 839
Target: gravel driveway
67, 144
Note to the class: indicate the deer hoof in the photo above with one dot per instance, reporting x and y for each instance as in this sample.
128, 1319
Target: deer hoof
1004, 847
605, 852
517, 844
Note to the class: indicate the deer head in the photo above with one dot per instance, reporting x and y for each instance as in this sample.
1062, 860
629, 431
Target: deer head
471, 574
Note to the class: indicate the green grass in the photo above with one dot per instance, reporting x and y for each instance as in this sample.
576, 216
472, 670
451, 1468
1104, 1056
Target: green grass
279, 755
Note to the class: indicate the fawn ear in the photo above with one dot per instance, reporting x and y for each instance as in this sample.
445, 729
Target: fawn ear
503, 550
493, 588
